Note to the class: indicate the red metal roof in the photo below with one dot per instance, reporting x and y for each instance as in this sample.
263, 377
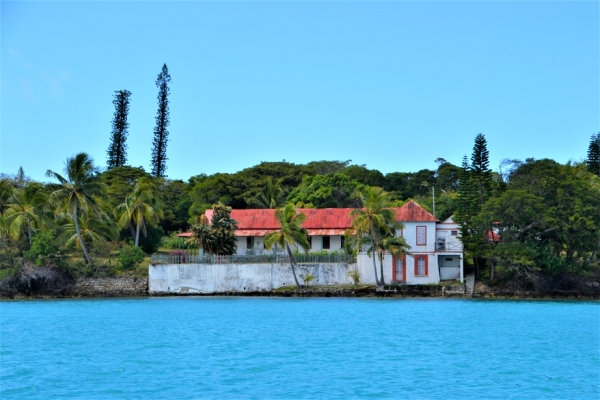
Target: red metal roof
319, 221
253, 232
412, 212
493, 236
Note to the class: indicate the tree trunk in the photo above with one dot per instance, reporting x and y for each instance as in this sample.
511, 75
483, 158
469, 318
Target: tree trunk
29, 228
132, 231
492, 270
374, 262
292, 262
137, 234
76, 221
381, 268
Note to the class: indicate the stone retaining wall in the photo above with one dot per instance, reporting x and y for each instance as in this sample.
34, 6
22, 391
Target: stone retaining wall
110, 287
86, 287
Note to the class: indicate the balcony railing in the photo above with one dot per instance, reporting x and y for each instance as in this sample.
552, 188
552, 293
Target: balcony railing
448, 246
188, 257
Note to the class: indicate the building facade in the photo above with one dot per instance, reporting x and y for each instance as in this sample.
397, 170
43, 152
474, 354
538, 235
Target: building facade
436, 251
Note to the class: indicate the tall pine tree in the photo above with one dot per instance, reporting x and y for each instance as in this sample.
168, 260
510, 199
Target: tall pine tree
481, 174
593, 156
117, 150
161, 134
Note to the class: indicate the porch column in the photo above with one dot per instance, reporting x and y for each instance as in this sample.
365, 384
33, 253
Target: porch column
462, 272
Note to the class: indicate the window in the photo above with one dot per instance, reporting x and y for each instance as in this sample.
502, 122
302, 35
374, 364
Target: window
249, 242
310, 242
421, 235
343, 241
326, 242
449, 259
454, 233
421, 266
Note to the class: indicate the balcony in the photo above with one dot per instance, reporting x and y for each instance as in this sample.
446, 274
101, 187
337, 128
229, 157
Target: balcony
442, 245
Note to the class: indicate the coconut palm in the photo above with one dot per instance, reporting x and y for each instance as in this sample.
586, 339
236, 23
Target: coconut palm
269, 197
290, 233
201, 234
140, 208
93, 228
377, 218
26, 211
6, 192
392, 244
78, 191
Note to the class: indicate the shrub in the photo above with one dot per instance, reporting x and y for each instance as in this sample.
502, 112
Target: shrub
307, 277
151, 241
130, 257
355, 275
43, 249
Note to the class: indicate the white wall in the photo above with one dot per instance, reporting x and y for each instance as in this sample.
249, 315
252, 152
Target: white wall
335, 244
449, 266
410, 235
365, 267
218, 278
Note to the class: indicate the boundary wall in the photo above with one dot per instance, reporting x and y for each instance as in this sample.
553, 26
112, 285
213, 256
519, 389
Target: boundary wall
221, 278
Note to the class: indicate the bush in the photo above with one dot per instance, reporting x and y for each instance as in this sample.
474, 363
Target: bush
355, 275
151, 241
174, 242
307, 277
130, 257
43, 249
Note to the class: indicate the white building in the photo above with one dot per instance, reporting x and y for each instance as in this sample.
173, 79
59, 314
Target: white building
436, 251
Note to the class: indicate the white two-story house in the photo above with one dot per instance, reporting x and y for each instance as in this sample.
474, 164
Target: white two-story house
436, 251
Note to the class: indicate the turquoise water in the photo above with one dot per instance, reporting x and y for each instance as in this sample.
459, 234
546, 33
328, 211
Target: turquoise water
259, 348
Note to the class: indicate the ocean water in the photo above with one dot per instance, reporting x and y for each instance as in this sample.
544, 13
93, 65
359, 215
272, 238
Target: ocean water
289, 348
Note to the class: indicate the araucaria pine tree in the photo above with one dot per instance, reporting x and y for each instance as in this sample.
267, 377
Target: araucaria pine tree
593, 156
117, 150
481, 174
161, 134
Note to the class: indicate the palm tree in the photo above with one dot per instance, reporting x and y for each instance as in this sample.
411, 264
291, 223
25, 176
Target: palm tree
201, 234
93, 229
268, 198
291, 232
6, 192
77, 191
392, 244
26, 211
140, 208
376, 218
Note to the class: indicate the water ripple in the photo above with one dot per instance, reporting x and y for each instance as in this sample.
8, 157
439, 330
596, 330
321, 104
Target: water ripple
257, 348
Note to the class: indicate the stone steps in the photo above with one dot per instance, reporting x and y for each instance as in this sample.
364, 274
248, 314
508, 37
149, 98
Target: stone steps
470, 284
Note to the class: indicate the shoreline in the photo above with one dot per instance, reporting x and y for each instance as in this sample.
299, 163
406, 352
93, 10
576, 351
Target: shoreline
303, 293
138, 287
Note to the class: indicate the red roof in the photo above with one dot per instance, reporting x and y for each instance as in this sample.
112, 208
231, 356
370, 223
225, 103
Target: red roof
412, 212
319, 221
493, 236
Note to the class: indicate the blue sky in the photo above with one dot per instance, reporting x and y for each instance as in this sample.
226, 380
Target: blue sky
393, 85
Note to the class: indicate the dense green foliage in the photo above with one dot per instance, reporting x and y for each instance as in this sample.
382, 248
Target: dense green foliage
534, 218
540, 222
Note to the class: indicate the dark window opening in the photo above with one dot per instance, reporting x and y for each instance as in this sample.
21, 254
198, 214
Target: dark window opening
326, 242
